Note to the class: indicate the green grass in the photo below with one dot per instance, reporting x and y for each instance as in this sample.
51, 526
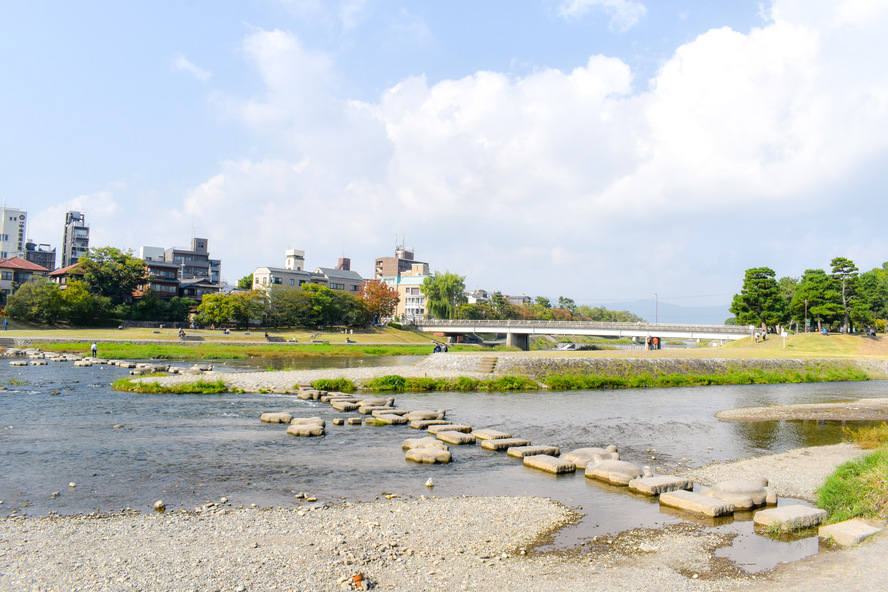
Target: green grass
14, 382
858, 489
197, 387
341, 385
395, 383
868, 437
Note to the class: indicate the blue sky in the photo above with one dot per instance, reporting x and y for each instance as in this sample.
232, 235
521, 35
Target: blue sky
594, 149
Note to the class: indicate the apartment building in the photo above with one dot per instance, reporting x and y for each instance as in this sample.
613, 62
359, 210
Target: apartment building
13, 226
75, 242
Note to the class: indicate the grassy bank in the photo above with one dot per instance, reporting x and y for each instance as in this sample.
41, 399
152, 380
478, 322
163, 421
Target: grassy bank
859, 489
197, 387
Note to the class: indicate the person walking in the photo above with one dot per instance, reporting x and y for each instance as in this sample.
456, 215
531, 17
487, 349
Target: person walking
94, 350
5, 325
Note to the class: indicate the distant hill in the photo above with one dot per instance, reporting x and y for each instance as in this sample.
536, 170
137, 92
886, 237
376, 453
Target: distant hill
674, 313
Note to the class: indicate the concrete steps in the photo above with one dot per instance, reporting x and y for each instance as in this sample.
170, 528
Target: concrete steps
487, 364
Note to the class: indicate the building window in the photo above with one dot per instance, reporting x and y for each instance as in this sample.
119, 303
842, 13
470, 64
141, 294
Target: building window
292, 282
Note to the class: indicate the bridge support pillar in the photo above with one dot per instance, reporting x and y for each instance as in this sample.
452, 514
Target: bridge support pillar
519, 340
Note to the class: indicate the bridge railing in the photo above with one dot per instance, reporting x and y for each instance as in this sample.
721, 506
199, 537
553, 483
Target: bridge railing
653, 327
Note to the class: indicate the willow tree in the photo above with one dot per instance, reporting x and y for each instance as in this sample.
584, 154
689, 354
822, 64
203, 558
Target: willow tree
444, 293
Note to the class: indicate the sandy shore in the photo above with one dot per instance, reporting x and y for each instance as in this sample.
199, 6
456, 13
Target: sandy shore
859, 410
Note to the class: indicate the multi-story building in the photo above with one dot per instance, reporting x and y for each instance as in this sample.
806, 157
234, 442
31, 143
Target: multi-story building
12, 232
15, 271
293, 274
163, 279
75, 242
402, 262
42, 255
194, 263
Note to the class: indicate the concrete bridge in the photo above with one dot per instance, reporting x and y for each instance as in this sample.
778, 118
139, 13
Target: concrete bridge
518, 332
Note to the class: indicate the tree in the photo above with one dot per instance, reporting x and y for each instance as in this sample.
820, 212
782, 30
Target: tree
872, 288
38, 301
788, 287
760, 301
82, 307
815, 294
113, 273
567, 304
542, 301
380, 300
844, 273
444, 293
246, 282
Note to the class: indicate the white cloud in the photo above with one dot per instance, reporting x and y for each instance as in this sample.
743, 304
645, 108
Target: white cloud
745, 150
180, 63
624, 14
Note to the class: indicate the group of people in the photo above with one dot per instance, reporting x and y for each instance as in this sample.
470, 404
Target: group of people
440, 347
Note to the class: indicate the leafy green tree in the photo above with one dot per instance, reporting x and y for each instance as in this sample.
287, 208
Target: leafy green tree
38, 301
542, 301
323, 306
444, 294
353, 311
844, 272
215, 309
788, 287
246, 306
246, 282
872, 288
81, 307
816, 293
760, 301
288, 306
567, 304
113, 273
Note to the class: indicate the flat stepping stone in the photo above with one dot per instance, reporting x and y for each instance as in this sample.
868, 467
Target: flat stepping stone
344, 405
390, 419
696, 503
428, 455
308, 421
389, 411
522, 451
422, 424
456, 437
550, 464
355, 421
582, 456
503, 443
18, 363
369, 409
490, 435
789, 518
434, 429
276, 417
306, 431
308, 394
615, 472
425, 414
427, 442
377, 402
338, 421
659, 484
848, 533
745, 494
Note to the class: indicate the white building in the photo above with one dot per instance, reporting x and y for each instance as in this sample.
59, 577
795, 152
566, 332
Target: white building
293, 274
13, 228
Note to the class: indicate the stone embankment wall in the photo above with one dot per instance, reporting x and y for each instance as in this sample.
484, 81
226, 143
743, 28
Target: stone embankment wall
539, 366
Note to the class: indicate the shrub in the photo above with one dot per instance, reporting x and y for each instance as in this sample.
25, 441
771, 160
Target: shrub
392, 382
342, 385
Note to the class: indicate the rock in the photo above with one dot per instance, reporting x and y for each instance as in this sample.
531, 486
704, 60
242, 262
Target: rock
430, 483
306, 431
696, 503
276, 417
390, 419
377, 402
434, 429
72, 484
343, 405
425, 414
338, 421
582, 456
787, 518
456, 437
550, 464
422, 424
745, 494
54, 495
427, 442
308, 421
522, 451
389, 411
660, 484
370, 409
848, 533
428, 455
490, 434
355, 421
615, 472
160, 506
503, 443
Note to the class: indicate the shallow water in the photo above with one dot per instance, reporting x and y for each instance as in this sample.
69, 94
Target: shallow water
128, 450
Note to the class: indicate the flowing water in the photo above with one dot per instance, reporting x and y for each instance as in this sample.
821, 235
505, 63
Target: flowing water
61, 424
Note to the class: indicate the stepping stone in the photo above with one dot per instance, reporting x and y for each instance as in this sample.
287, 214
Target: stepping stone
390, 419
550, 464
848, 533
308, 421
37, 363
338, 421
456, 437
80, 363
427, 442
425, 414
615, 472
369, 409
503, 443
490, 435
344, 406
745, 494
428, 455
421, 424
355, 421
582, 456
522, 451
276, 417
696, 503
434, 429
377, 402
306, 395
659, 484
306, 431
789, 518
389, 411
18, 363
